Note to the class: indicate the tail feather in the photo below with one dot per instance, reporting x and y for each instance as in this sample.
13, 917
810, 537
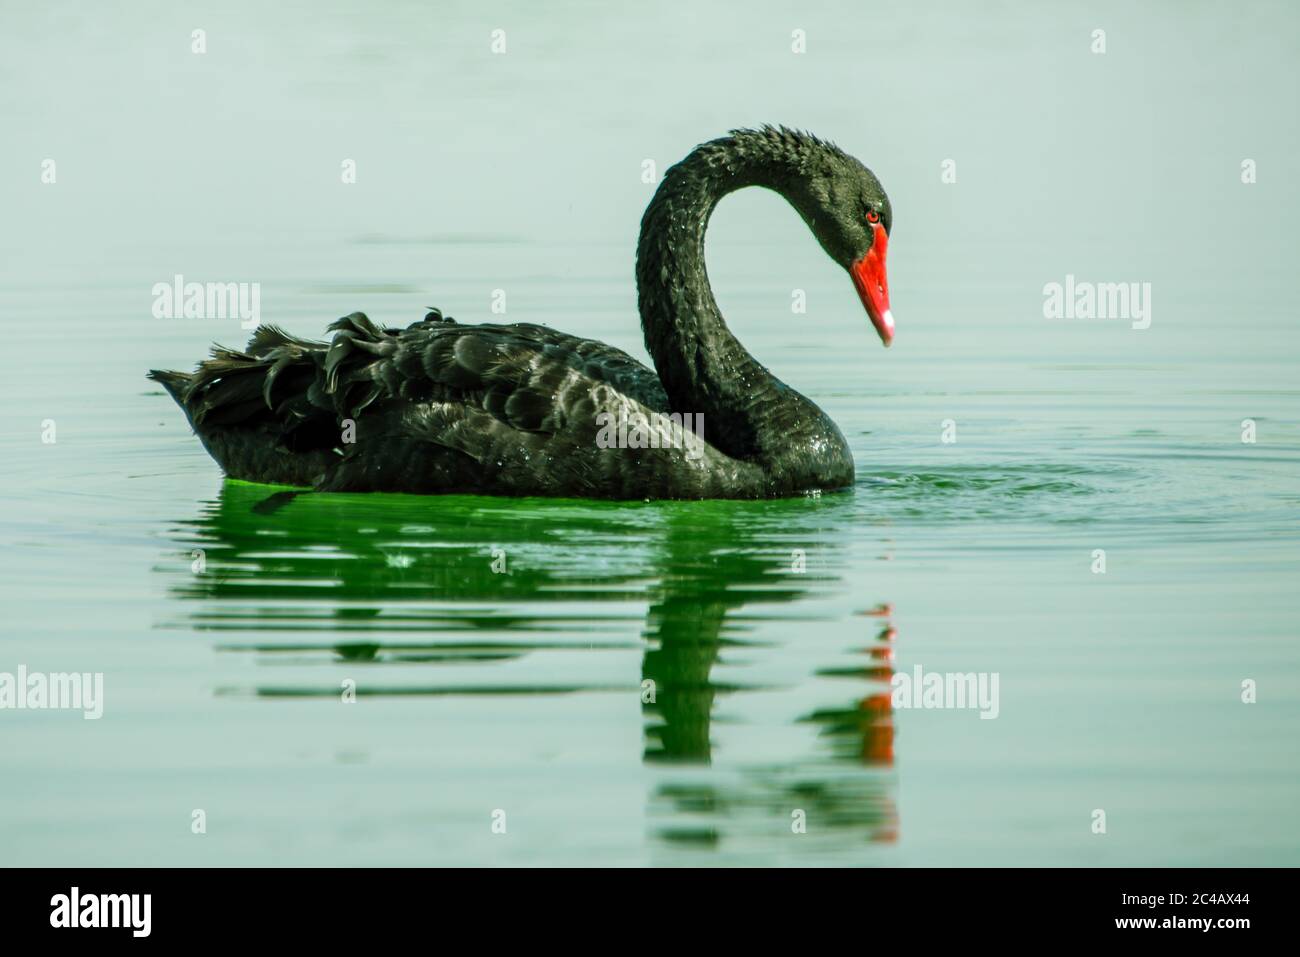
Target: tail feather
176, 383
282, 395
268, 337
336, 378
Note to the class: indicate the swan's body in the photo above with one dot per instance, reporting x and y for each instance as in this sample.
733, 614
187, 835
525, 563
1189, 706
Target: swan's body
441, 407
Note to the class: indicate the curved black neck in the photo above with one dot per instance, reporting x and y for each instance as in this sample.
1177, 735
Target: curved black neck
748, 412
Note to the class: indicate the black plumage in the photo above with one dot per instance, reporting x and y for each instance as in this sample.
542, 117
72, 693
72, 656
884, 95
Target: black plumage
440, 407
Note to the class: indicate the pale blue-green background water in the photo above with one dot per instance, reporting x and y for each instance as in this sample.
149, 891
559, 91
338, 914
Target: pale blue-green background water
522, 693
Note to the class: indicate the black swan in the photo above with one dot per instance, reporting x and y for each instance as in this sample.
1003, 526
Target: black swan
521, 409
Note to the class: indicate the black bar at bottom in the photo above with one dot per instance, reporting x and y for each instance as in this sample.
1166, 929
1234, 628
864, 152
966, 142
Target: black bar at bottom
242, 906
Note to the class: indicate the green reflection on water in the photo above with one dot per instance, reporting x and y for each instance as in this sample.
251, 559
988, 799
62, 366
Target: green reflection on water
420, 581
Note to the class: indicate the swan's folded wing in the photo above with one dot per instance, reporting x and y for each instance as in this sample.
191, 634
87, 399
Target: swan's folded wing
528, 377
516, 406
511, 396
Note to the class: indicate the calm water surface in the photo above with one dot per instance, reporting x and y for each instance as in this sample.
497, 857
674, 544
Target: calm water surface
769, 630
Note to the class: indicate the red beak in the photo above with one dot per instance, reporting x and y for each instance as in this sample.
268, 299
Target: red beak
873, 285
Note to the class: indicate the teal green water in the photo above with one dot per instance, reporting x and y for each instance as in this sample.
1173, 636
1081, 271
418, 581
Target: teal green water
229, 618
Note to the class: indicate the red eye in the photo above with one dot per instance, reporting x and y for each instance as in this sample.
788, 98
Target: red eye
873, 216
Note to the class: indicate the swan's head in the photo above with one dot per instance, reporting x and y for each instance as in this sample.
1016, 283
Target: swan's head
847, 210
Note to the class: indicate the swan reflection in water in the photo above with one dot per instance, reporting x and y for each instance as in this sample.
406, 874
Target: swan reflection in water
423, 582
